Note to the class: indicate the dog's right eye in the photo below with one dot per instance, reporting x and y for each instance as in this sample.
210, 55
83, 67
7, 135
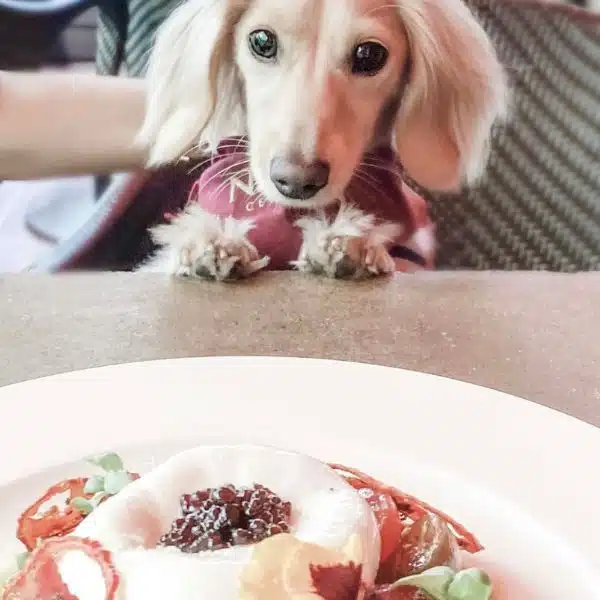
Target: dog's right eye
263, 44
369, 58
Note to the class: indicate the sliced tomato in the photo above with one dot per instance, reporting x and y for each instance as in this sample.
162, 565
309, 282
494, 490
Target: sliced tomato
40, 578
410, 507
52, 515
388, 518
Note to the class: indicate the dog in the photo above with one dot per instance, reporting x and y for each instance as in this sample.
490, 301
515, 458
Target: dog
304, 90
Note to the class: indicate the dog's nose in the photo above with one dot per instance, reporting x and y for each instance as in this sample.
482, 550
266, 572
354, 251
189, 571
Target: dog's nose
297, 180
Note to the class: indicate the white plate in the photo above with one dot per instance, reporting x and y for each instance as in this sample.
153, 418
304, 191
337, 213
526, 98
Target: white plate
522, 477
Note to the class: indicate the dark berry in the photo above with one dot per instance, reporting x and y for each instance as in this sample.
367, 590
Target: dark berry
225, 494
258, 525
227, 516
241, 537
234, 515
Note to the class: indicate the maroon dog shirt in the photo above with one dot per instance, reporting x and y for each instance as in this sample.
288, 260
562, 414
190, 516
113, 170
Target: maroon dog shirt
378, 190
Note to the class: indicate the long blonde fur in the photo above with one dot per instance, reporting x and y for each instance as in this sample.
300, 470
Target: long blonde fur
455, 82
193, 94
436, 99
455, 85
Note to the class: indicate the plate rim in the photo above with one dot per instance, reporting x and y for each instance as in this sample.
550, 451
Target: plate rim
285, 359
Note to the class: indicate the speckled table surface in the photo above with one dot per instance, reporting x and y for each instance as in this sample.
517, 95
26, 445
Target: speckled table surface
535, 335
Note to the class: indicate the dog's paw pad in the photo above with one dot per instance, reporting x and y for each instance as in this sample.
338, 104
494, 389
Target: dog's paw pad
223, 261
342, 257
349, 246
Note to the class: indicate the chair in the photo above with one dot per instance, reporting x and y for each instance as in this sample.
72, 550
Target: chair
538, 206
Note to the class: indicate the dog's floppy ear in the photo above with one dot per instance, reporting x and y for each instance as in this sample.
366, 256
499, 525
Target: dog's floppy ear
455, 91
193, 93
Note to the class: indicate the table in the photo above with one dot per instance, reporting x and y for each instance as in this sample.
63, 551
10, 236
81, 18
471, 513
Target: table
535, 335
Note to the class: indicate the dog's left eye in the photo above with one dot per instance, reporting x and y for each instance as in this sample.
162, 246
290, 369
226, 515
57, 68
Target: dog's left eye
368, 58
263, 44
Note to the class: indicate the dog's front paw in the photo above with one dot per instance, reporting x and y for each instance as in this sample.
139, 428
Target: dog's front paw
199, 245
347, 258
221, 260
350, 246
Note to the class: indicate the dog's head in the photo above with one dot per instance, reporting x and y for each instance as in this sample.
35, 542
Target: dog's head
315, 83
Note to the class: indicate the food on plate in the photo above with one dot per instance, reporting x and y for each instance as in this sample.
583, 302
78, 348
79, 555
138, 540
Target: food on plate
40, 579
64, 505
414, 536
241, 523
53, 514
227, 516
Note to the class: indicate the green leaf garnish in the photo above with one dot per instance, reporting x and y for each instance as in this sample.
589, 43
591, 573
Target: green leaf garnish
115, 481
94, 484
82, 505
22, 559
443, 583
434, 582
470, 584
109, 461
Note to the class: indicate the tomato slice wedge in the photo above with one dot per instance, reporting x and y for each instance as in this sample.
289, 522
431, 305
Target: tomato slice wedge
408, 506
386, 513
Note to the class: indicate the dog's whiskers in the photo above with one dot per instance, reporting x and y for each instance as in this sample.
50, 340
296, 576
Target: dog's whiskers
363, 169
382, 166
228, 181
239, 147
208, 160
369, 183
222, 172
242, 143
230, 178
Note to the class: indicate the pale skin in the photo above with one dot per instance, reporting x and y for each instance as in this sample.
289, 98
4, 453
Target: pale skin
62, 124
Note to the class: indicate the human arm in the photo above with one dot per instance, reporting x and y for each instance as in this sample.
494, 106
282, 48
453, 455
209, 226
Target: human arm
60, 124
